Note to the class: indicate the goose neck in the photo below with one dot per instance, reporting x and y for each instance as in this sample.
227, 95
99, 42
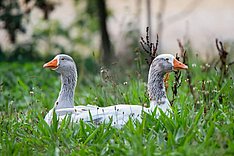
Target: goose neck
66, 95
156, 88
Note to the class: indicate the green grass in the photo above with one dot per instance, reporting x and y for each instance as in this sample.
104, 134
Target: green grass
27, 92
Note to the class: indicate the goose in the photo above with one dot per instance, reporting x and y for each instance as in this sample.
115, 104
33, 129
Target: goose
118, 114
66, 67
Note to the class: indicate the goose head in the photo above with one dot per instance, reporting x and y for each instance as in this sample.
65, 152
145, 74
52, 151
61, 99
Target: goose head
161, 65
66, 67
166, 63
62, 64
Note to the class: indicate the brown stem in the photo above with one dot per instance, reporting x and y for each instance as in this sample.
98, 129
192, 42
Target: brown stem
184, 55
176, 83
149, 47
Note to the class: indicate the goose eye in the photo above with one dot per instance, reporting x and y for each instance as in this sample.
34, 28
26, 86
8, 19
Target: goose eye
167, 59
62, 58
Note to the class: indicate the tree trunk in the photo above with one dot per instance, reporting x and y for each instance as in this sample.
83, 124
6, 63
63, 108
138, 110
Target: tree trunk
106, 44
160, 24
148, 15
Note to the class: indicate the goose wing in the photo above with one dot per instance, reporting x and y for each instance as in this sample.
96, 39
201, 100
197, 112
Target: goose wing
61, 113
119, 114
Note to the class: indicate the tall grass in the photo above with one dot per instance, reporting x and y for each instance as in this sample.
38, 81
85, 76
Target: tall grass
27, 92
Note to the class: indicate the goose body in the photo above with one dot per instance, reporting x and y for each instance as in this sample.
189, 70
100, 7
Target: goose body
119, 114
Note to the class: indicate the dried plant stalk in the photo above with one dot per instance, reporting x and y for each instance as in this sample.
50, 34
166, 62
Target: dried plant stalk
224, 68
223, 59
149, 47
204, 96
176, 83
185, 58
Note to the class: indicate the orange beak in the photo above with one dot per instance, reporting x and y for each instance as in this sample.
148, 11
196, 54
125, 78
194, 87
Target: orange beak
53, 64
179, 65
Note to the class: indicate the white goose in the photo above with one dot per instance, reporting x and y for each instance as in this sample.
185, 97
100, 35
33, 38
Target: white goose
119, 114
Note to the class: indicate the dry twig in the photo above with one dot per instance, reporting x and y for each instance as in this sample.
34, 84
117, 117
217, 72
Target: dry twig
224, 64
149, 47
176, 83
184, 56
204, 96
223, 59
